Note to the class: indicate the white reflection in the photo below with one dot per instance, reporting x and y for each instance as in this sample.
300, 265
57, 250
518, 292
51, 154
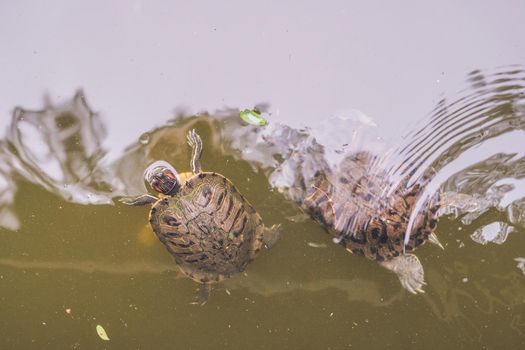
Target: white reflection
496, 232
521, 264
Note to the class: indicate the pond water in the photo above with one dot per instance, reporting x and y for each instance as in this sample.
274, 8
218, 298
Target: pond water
91, 94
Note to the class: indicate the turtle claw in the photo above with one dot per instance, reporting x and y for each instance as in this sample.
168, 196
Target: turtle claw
432, 238
409, 271
410, 290
194, 140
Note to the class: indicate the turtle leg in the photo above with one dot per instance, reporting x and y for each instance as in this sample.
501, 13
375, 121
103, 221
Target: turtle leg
203, 293
140, 200
409, 270
271, 235
194, 140
432, 238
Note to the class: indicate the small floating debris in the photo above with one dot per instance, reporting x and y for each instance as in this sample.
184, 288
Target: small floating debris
102, 333
316, 245
521, 264
252, 117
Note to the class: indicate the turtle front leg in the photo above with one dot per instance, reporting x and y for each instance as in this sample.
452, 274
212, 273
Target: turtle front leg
140, 200
409, 270
195, 142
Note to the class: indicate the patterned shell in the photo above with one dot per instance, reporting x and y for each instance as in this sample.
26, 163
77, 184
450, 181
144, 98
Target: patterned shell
209, 228
353, 205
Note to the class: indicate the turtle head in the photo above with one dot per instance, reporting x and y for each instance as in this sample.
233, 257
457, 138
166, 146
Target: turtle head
162, 177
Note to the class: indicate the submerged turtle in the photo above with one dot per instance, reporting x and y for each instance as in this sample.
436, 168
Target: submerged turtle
351, 203
354, 198
205, 223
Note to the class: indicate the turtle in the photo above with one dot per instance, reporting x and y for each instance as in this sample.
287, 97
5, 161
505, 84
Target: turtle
205, 223
352, 204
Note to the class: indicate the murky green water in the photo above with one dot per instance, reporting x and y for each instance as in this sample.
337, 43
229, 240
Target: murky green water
70, 267
359, 76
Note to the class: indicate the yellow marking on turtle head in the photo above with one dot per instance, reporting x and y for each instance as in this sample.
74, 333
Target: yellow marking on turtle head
184, 177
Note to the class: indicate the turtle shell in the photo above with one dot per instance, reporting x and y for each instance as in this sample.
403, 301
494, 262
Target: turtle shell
352, 204
209, 227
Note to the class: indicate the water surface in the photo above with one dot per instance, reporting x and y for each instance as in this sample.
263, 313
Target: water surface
73, 257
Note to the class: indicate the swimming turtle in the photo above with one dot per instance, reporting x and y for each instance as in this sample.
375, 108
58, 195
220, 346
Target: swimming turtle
211, 230
351, 203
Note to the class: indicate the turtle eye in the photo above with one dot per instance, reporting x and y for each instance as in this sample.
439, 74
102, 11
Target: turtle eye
156, 185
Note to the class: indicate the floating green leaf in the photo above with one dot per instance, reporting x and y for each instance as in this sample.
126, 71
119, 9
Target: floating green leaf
252, 117
102, 332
